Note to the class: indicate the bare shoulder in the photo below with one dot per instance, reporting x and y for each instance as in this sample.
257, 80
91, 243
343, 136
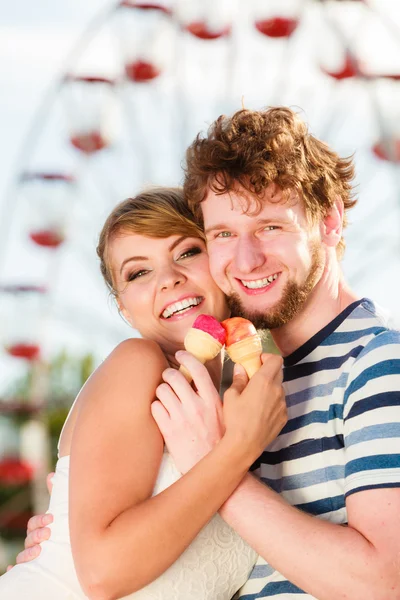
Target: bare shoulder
121, 388
135, 354
132, 370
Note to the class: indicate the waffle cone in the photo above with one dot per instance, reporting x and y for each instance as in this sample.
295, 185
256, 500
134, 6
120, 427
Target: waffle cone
247, 352
202, 345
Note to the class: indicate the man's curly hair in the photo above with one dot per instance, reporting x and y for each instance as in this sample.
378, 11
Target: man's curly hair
255, 148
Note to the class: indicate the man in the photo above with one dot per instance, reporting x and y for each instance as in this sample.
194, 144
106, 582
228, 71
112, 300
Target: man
325, 517
273, 202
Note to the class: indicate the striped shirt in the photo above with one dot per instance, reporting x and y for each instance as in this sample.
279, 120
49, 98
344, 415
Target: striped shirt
343, 432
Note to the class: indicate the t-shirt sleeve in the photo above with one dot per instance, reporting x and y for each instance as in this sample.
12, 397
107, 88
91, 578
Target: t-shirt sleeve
371, 416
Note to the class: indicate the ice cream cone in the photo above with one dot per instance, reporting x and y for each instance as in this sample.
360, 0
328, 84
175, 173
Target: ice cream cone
243, 344
202, 345
247, 352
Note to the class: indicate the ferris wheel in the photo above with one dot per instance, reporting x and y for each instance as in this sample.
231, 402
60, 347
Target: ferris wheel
144, 78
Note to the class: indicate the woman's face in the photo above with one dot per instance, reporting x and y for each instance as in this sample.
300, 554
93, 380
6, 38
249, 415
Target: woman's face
163, 285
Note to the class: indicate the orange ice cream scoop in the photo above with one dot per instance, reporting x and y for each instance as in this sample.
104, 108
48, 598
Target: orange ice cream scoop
237, 329
204, 340
243, 343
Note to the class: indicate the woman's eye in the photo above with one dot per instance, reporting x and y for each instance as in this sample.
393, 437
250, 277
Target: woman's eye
191, 252
136, 275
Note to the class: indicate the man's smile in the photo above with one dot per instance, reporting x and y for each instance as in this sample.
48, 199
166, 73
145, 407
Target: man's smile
257, 286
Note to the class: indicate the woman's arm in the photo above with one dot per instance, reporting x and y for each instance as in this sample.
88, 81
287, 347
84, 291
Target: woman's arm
120, 554
116, 449
122, 538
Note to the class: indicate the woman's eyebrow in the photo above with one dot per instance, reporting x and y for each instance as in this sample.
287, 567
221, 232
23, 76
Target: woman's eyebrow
177, 242
132, 258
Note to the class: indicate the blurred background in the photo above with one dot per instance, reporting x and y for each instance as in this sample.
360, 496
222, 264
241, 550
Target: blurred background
101, 98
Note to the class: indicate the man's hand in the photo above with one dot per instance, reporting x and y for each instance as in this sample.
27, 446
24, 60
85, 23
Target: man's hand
36, 533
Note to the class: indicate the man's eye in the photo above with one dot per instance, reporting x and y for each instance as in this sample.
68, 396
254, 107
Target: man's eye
271, 228
136, 274
224, 234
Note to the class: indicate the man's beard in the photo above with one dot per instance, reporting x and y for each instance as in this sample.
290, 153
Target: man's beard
293, 298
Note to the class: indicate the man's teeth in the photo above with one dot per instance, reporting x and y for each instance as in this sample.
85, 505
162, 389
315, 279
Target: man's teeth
181, 306
259, 283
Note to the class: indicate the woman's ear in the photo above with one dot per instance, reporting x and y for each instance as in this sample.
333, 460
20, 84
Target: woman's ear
332, 224
125, 314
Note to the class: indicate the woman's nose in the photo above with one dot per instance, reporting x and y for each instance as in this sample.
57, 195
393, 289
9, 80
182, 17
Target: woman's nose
170, 278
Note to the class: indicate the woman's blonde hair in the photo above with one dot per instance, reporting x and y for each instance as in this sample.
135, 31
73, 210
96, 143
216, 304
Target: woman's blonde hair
158, 213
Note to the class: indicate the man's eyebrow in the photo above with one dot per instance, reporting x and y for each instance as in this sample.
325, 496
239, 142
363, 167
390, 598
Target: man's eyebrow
216, 226
272, 220
265, 221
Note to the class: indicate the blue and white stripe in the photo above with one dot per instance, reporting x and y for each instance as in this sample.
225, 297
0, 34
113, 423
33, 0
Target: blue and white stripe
343, 431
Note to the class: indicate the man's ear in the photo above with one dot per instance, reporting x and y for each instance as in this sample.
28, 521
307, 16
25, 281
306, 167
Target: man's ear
332, 224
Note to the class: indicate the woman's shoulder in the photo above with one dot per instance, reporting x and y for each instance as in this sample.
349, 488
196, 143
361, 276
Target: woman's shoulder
133, 359
139, 349
122, 386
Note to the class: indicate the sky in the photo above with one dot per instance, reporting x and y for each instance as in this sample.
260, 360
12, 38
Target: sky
41, 41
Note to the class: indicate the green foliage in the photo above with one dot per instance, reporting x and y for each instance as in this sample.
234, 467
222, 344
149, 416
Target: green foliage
65, 375
62, 378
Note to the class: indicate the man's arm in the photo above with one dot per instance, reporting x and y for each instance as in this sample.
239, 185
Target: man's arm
326, 560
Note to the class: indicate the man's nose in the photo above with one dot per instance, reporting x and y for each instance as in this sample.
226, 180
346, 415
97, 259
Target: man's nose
249, 255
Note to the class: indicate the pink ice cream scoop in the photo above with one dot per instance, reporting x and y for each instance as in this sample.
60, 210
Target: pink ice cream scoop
210, 325
243, 344
204, 340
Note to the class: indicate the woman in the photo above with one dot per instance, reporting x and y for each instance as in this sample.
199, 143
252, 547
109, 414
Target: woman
105, 544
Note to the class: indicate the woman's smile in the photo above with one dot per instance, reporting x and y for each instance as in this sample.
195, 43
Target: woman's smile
181, 308
163, 285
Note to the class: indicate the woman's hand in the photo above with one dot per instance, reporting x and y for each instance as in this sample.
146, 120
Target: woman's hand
255, 411
37, 532
193, 422
190, 421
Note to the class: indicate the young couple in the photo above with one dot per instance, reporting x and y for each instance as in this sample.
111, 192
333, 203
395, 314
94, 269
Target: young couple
320, 515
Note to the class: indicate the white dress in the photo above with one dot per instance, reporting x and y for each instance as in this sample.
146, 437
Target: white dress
215, 565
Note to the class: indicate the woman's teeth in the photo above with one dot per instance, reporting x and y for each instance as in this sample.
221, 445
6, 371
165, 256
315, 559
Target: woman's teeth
259, 283
181, 306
